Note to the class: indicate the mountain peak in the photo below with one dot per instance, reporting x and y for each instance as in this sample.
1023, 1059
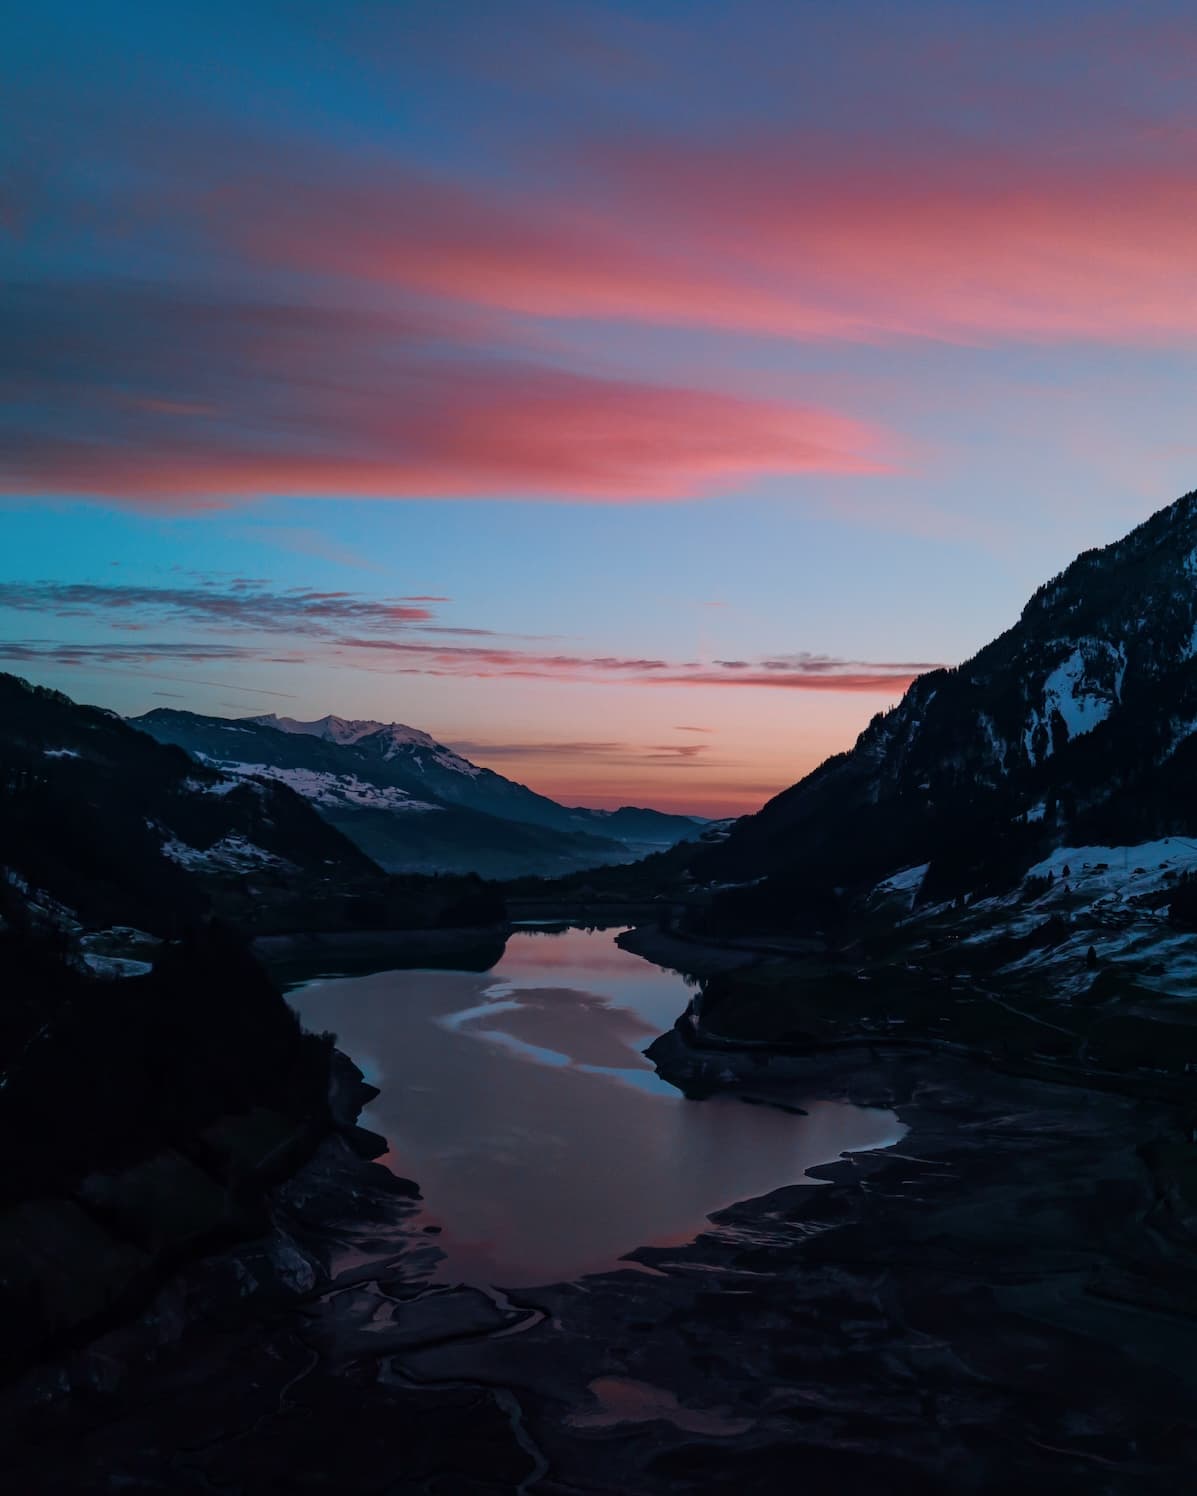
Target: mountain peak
342, 730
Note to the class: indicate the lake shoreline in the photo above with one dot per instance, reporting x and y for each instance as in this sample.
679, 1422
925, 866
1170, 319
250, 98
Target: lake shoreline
975, 1307
522, 1100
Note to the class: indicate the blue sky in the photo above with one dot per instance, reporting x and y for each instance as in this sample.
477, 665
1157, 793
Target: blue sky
704, 372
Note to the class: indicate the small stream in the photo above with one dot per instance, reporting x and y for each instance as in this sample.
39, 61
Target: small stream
544, 1143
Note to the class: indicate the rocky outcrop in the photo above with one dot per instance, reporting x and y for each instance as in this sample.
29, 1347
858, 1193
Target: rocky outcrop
69, 1266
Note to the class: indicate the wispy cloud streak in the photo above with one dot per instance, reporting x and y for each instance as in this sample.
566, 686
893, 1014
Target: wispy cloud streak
244, 605
388, 636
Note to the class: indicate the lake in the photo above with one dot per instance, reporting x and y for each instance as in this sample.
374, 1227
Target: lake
543, 1141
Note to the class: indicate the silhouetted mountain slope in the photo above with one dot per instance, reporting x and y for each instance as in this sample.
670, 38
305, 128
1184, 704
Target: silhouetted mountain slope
142, 1120
120, 828
1075, 726
412, 803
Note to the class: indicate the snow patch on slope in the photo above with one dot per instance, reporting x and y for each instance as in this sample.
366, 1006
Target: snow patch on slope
324, 788
231, 854
217, 787
908, 879
116, 968
1071, 690
905, 884
1062, 692
447, 759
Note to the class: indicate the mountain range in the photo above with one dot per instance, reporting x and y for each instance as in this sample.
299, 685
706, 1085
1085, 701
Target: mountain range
1076, 728
411, 803
103, 829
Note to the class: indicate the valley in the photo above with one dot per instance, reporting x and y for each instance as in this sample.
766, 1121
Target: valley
598, 749
860, 1131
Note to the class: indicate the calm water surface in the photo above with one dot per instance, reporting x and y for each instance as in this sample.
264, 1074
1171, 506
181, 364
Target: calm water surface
543, 1141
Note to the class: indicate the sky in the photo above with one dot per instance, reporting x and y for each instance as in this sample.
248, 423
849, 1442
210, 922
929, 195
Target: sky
635, 396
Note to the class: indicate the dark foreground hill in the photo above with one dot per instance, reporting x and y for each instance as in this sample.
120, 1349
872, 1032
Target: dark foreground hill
154, 1084
121, 829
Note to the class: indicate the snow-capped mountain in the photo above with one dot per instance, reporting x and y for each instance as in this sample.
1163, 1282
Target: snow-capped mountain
413, 804
1075, 726
394, 736
428, 764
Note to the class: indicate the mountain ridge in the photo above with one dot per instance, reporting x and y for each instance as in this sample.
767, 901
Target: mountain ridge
1076, 723
342, 730
413, 804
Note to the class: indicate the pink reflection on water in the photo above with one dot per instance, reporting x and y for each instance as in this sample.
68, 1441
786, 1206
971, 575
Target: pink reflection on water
541, 1140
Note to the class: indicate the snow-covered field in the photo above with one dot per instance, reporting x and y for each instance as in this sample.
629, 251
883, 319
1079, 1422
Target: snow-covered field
1113, 900
1126, 871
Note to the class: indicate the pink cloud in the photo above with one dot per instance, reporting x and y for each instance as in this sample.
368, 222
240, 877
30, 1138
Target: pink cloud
540, 253
807, 237
307, 400
936, 240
